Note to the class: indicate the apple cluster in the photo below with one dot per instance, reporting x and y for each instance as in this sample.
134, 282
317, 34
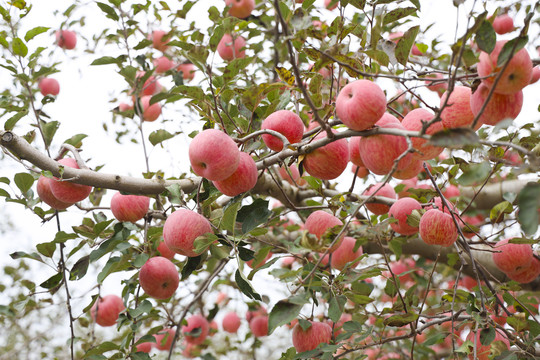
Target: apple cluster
516, 260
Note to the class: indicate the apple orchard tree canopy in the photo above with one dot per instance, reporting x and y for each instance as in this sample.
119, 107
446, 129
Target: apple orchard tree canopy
384, 181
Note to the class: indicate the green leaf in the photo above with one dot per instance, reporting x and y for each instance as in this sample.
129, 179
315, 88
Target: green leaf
32, 33
474, 173
111, 14
404, 45
106, 60
359, 4
397, 14
159, 136
22, 254
379, 56
506, 51
144, 307
497, 212
4, 193
245, 286
76, 140
19, 47
80, 268
23, 181
101, 348
52, 282
457, 137
114, 264
401, 319
528, 201
62, 237
253, 215
46, 249
202, 242
283, 313
228, 220
49, 129
336, 307
190, 266
12, 121
487, 336
486, 37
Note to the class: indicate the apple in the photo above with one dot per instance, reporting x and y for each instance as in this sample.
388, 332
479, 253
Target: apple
240, 8
49, 86
345, 254
401, 267
259, 325
354, 151
527, 274
188, 71
457, 112
213, 328
286, 123
436, 86
150, 112
163, 64
159, 278
151, 86
503, 24
124, 107
213, 155
309, 339
129, 207
511, 258
106, 310
66, 191
181, 229
407, 184
164, 339
163, 250
399, 211
221, 298
499, 107
438, 204
243, 179
516, 76
230, 48
295, 179
319, 223
410, 172
231, 322
255, 311
385, 191
414, 121
159, 40
535, 75
484, 352
66, 39
196, 330
451, 191
46, 195
360, 104
329, 161
469, 282
144, 347
362, 171
331, 4
437, 228
378, 152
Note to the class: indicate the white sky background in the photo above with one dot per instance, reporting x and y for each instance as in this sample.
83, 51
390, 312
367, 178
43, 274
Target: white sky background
83, 106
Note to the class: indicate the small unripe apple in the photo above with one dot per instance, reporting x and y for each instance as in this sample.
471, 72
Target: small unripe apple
129, 207
230, 48
159, 278
164, 339
213, 155
503, 24
259, 326
158, 40
49, 86
106, 310
181, 229
231, 322
286, 123
45, 194
437, 228
399, 211
240, 8
196, 330
511, 258
385, 191
66, 191
329, 161
66, 39
360, 104
306, 340
243, 179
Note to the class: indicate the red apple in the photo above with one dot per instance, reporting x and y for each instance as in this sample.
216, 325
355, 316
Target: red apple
144, 347
259, 325
158, 40
106, 310
415, 167
230, 47
503, 24
196, 330
49, 86
385, 191
354, 151
437, 228
457, 112
240, 8
159, 278
296, 179
516, 76
163, 250
164, 339
46, 195
243, 179
439, 86
413, 121
66, 191
329, 161
188, 71
345, 253
319, 222
286, 123
527, 274
511, 258
150, 112
213, 155
163, 64
331, 4
66, 39
499, 107
151, 86
181, 229
451, 191
309, 339
231, 322
255, 311
399, 211
360, 104
535, 75
129, 207
483, 352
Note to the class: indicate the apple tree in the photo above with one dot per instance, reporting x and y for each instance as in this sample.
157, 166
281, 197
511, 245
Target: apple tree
333, 181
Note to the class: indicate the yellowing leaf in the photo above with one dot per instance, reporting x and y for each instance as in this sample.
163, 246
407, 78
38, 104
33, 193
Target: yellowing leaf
285, 75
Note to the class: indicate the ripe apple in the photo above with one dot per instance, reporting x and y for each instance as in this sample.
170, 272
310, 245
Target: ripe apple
230, 48
124, 107
231, 322
484, 352
360, 104
213, 155
457, 112
240, 8
410, 172
329, 161
106, 310
385, 191
503, 24
401, 267
535, 75
158, 40
129, 207
196, 330
66, 191
516, 76
527, 274
163, 64
46, 195
309, 339
438, 87
66, 39
499, 107
151, 86
399, 211
159, 278
164, 339
243, 179
413, 121
511, 258
257, 311
286, 123
319, 222
296, 179
150, 112
345, 253
437, 228
188, 71
259, 325
378, 152
49, 86
354, 151
144, 347
181, 229
163, 250
451, 191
